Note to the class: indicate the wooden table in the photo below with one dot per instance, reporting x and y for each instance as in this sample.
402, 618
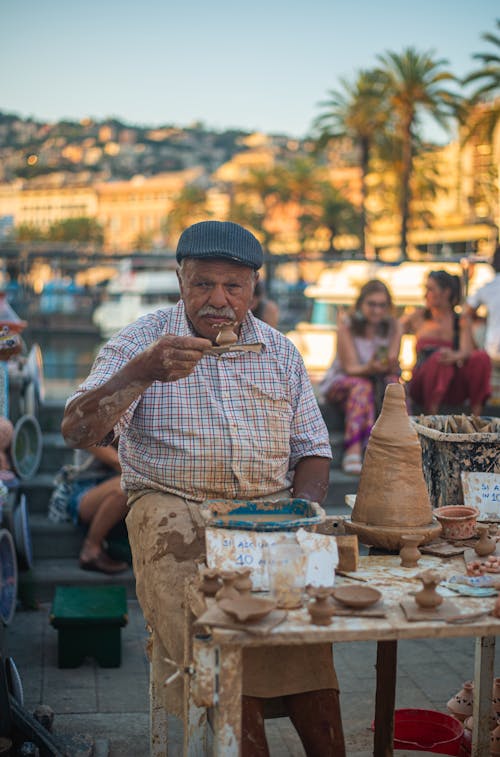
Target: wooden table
395, 583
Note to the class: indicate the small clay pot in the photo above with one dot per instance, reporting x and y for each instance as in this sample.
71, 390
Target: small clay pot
210, 582
322, 609
409, 552
428, 597
228, 589
486, 545
458, 521
460, 705
243, 581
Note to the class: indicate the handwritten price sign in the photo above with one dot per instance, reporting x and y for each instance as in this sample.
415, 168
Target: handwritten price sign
482, 490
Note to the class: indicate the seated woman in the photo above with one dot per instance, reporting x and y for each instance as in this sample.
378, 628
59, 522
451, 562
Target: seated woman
92, 496
448, 369
368, 342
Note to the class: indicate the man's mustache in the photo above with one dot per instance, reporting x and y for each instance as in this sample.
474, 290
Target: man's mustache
225, 312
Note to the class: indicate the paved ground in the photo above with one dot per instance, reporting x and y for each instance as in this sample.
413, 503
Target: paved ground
112, 704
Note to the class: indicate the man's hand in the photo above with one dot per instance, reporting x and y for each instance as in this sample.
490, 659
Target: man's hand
173, 357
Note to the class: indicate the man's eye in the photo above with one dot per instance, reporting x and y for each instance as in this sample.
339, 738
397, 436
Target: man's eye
202, 285
233, 287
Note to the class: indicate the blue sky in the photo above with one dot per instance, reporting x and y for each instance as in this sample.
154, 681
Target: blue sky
261, 65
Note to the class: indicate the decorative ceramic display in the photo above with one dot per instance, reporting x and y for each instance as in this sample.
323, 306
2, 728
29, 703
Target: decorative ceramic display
356, 596
486, 545
392, 497
460, 705
427, 597
409, 552
458, 521
245, 609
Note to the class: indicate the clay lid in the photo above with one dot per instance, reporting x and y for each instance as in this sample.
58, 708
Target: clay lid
392, 490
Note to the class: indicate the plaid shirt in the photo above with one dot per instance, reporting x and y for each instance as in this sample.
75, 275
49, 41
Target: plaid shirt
234, 428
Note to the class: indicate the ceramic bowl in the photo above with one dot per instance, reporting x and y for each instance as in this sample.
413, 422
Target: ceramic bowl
356, 596
458, 521
247, 608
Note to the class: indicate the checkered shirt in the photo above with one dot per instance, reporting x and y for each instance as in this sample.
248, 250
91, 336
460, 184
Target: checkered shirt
234, 428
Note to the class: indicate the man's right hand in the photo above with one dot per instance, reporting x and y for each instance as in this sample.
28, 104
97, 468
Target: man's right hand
173, 357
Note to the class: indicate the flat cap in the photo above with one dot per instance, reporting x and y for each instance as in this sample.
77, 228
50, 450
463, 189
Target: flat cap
220, 239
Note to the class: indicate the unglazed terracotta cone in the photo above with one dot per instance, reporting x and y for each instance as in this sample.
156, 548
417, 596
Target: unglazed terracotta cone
392, 490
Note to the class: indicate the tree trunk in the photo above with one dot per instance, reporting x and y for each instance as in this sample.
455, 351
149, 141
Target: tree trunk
405, 187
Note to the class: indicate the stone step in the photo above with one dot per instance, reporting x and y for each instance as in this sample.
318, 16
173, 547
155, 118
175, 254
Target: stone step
54, 540
38, 584
55, 453
50, 415
37, 491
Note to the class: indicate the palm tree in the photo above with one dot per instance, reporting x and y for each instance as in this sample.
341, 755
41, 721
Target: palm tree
356, 111
487, 78
413, 84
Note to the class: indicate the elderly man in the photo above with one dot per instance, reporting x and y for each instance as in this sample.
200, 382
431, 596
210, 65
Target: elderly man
194, 425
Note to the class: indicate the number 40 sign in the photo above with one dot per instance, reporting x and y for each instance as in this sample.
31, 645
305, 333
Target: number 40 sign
482, 490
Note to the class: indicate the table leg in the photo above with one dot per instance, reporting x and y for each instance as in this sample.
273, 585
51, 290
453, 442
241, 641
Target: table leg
483, 682
227, 710
385, 699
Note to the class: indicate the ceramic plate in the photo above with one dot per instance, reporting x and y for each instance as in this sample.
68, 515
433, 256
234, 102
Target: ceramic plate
8, 577
26, 446
356, 596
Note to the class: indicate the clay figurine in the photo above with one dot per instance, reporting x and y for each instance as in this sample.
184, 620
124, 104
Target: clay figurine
226, 336
210, 582
486, 545
322, 609
243, 581
228, 589
427, 597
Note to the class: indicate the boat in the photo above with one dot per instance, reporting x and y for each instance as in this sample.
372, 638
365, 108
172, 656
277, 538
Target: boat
132, 294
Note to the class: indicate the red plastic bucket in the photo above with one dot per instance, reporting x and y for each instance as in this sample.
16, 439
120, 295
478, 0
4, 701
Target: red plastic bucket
427, 731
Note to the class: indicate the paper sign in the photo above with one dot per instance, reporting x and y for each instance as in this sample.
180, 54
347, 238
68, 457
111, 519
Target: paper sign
482, 490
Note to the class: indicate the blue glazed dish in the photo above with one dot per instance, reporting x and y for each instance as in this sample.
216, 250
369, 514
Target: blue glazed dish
268, 515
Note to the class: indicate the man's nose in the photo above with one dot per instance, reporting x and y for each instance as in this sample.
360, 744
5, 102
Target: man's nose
218, 298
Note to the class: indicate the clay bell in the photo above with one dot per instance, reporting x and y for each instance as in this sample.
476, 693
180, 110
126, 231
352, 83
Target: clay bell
392, 497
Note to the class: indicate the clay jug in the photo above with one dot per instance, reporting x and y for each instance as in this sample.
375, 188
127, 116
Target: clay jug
322, 609
392, 489
243, 581
486, 545
409, 552
228, 589
210, 582
460, 705
427, 597
495, 740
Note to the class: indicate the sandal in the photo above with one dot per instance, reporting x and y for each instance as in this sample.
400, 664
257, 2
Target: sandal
352, 463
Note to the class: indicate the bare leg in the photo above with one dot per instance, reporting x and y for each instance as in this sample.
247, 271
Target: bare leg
317, 719
103, 507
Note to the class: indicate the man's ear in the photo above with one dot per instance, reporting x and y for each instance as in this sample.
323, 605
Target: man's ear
179, 279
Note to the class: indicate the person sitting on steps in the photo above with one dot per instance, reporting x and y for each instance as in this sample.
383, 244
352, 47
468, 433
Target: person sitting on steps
368, 343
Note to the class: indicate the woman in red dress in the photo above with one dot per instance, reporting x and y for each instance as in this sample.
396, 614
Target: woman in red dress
449, 370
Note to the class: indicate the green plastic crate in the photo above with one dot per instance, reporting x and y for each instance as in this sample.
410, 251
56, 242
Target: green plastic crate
88, 620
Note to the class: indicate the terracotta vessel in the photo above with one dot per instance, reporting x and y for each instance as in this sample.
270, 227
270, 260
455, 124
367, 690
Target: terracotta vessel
428, 597
356, 596
460, 705
458, 521
228, 589
246, 609
210, 582
486, 545
322, 609
495, 740
409, 552
392, 497
243, 581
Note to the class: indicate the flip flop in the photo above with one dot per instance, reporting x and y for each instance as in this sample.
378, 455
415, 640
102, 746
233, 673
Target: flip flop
352, 463
103, 564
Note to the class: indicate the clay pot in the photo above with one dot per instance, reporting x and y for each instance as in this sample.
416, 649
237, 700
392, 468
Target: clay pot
458, 521
486, 545
460, 705
210, 582
392, 496
409, 552
322, 609
228, 589
428, 597
243, 581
